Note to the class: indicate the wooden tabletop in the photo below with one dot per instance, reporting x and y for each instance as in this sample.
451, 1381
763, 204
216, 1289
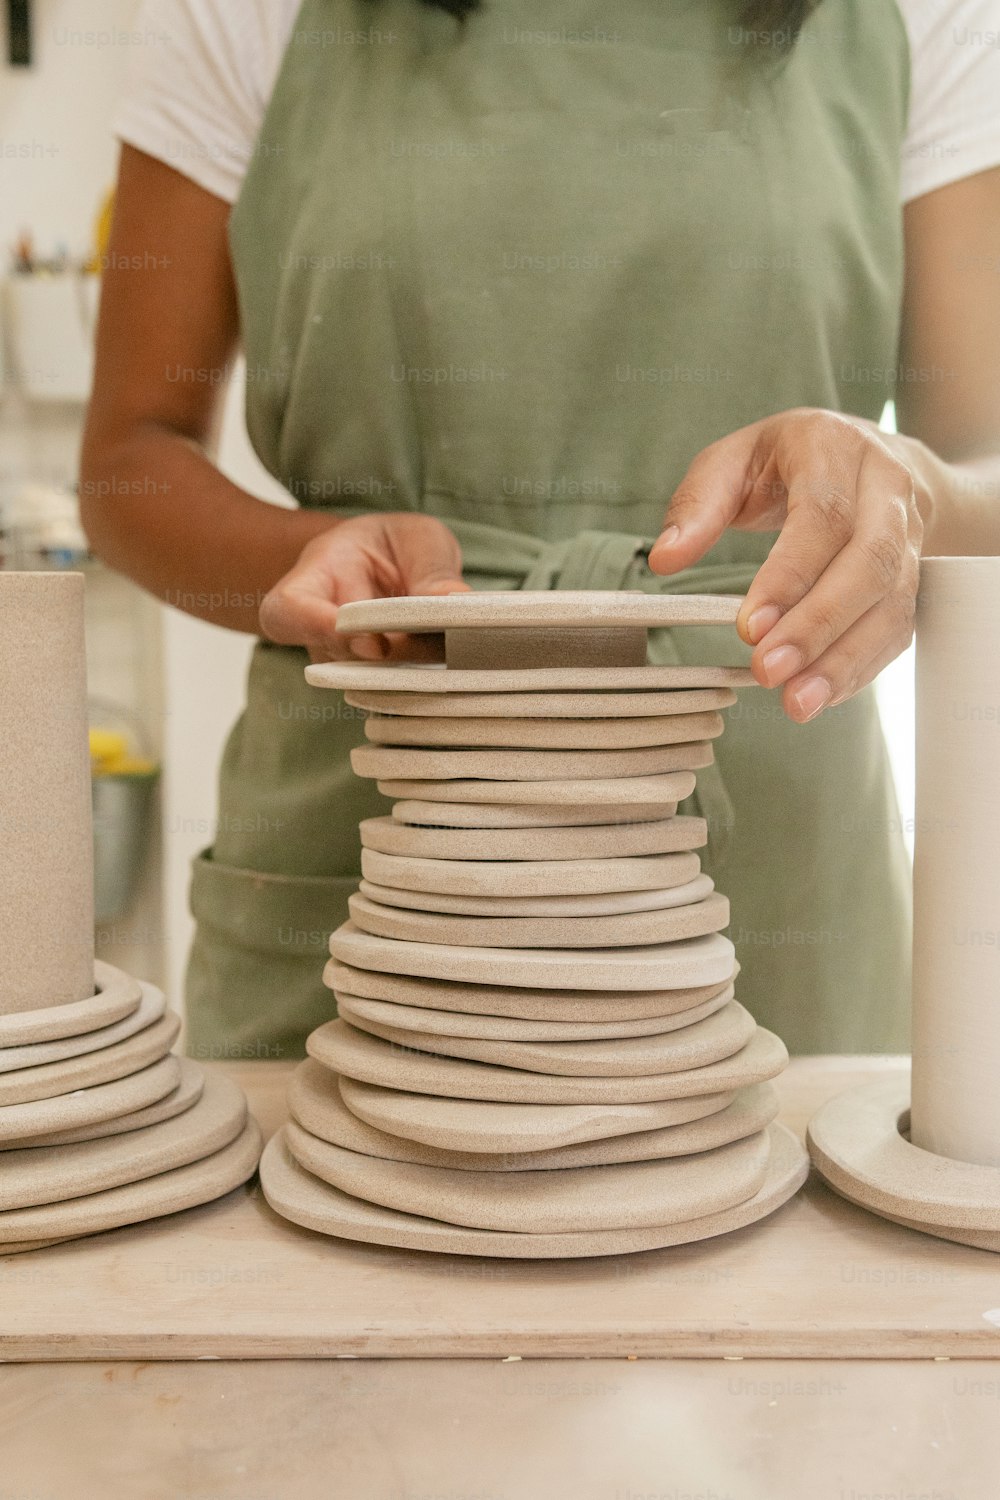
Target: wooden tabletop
157, 1401
819, 1279
486, 1430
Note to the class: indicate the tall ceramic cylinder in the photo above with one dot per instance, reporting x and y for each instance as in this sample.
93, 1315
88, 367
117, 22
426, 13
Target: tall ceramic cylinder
46, 848
956, 879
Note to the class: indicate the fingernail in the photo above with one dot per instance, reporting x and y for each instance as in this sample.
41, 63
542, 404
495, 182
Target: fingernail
780, 664
761, 621
814, 694
666, 538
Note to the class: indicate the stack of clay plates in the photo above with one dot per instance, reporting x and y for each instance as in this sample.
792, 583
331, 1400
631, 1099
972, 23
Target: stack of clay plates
101, 1125
539, 1051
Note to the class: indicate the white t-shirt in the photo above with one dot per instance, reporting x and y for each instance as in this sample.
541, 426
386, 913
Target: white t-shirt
198, 89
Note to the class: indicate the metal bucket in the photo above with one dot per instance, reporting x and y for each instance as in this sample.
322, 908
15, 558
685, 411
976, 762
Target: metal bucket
123, 817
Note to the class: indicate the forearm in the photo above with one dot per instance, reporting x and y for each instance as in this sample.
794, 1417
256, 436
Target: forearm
156, 508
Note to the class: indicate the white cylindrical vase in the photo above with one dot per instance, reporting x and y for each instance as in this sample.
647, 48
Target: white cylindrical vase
46, 840
955, 1109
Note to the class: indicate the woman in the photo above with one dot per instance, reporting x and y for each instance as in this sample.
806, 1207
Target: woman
515, 281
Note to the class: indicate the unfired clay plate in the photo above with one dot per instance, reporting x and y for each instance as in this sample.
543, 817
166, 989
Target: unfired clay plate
525, 815
484, 1125
357, 1054
523, 1004
117, 995
187, 1093
20, 1123
51, 1174
857, 1144
538, 879
35, 1054
715, 1036
671, 787
505, 1028
167, 1193
670, 835
381, 762
355, 676
536, 609
575, 1200
543, 734
28, 1085
694, 961
299, 1196
610, 904
316, 1104
633, 929
545, 705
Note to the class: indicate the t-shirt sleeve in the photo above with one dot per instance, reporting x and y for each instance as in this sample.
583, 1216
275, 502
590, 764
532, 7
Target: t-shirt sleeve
203, 71
954, 124
201, 75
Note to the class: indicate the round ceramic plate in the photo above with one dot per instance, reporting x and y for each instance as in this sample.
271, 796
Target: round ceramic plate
166, 1193
28, 1085
51, 1174
671, 787
540, 609
708, 1039
486, 1125
694, 961
315, 1102
857, 1142
379, 762
89, 1106
511, 1029
668, 835
34, 1054
299, 1196
576, 1200
535, 879
116, 995
547, 705
364, 676
594, 1006
633, 929
531, 815
544, 734
610, 904
187, 1093
356, 1054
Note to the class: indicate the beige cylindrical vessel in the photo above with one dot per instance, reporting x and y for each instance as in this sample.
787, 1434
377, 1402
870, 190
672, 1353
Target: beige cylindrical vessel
956, 879
46, 868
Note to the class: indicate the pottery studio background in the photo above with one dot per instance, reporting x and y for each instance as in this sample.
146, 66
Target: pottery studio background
164, 686
167, 684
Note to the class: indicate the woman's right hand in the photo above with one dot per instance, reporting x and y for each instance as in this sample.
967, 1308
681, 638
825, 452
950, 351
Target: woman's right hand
365, 557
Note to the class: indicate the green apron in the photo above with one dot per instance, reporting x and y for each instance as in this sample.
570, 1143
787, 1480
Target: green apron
516, 275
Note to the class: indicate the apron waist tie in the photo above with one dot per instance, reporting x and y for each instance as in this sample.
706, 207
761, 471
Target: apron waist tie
494, 558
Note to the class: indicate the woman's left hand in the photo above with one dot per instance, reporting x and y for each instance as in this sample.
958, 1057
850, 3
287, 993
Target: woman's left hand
834, 602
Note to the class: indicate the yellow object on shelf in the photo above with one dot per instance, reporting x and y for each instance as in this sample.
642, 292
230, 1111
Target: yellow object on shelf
110, 756
106, 744
102, 234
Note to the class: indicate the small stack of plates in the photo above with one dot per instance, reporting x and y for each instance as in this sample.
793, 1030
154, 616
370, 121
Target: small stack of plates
539, 1051
101, 1125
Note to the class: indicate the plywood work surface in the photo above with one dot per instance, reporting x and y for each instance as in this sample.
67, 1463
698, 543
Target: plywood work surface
820, 1279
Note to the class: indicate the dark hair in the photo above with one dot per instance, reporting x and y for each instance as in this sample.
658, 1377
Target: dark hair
778, 20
